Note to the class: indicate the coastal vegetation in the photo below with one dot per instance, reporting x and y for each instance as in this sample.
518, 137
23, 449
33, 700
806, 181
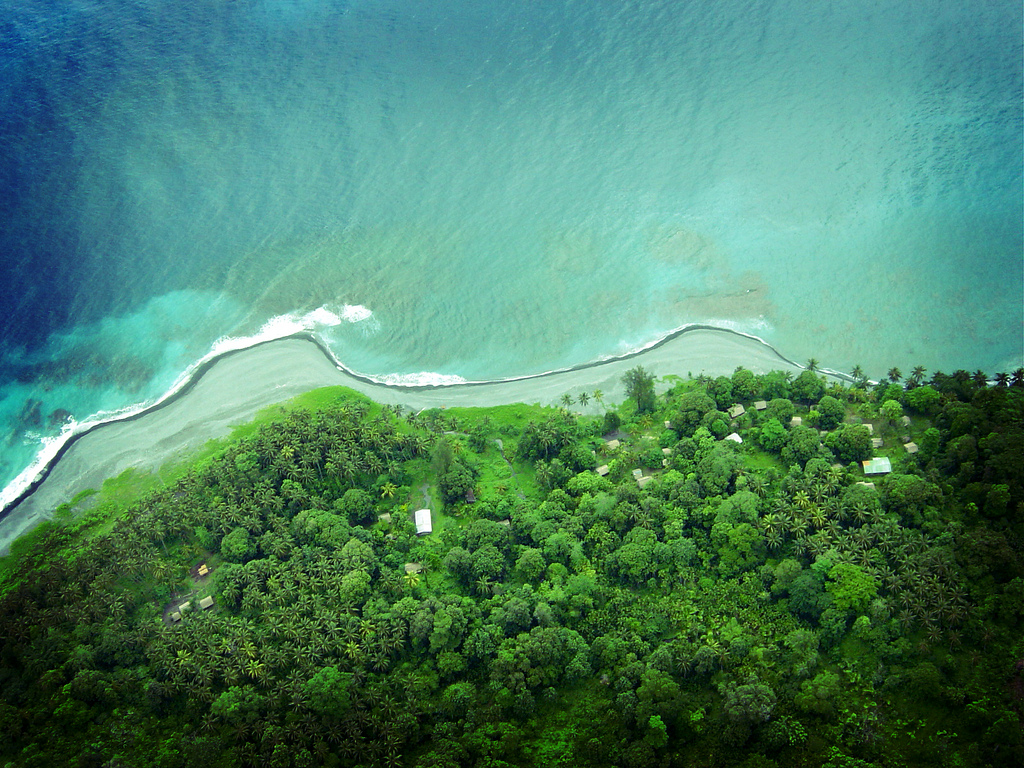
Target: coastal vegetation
710, 576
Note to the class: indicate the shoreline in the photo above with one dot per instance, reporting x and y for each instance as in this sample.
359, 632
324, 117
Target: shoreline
230, 388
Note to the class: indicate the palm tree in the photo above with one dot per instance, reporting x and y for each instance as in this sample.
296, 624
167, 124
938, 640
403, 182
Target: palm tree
980, 378
366, 628
567, 400
757, 485
354, 651
1018, 378
387, 490
812, 365
412, 580
817, 517
583, 398
599, 395
916, 375
771, 523
1002, 379
895, 375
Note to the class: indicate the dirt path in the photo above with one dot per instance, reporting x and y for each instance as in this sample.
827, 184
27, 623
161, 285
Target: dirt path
501, 450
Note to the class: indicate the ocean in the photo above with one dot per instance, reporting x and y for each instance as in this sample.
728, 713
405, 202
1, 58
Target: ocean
474, 190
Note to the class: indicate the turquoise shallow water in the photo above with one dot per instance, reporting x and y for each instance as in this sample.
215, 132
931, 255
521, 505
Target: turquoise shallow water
484, 190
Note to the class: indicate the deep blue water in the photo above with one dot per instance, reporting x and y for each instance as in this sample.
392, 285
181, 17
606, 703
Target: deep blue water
504, 187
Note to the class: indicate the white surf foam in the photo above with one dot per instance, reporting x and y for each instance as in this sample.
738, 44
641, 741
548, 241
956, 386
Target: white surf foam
279, 327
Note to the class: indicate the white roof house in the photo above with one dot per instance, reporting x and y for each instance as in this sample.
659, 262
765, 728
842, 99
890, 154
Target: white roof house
734, 437
877, 466
736, 411
423, 524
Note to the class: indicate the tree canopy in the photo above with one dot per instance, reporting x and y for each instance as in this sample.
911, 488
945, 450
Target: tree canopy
698, 602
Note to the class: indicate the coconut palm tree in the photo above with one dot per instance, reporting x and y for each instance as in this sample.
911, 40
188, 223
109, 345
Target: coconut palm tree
412, 580
895, 374
802, 499
484, 586
756, 484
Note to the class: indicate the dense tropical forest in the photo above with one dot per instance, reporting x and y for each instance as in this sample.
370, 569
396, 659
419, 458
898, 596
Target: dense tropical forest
677, 582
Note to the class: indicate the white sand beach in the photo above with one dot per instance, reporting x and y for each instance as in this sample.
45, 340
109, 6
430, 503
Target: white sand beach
238, 385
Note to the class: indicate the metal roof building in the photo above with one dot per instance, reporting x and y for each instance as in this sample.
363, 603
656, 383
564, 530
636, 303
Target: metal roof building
423, 524
877, 466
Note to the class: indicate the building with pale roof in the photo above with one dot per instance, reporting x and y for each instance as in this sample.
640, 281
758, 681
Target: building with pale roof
877, 466
424, 525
